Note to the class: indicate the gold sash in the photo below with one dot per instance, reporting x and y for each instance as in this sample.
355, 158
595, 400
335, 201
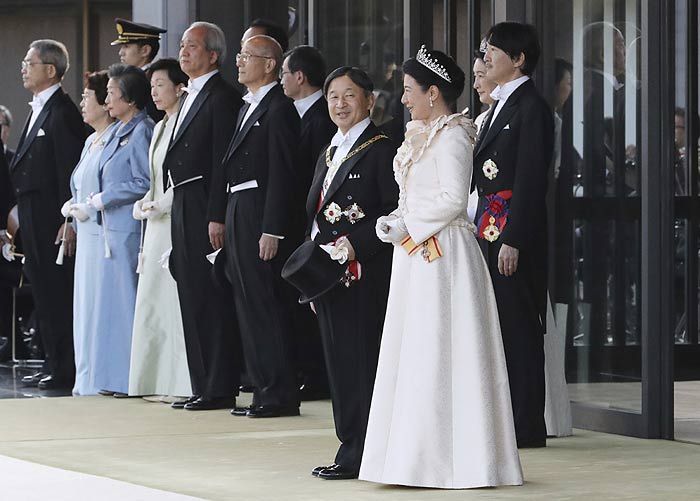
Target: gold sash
430, 249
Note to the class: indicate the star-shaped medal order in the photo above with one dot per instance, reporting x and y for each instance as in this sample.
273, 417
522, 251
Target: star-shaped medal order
490, 169
491, 232
332, 213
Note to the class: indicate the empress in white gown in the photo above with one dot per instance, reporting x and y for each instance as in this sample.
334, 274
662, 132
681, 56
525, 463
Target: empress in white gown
441, 413
158, 358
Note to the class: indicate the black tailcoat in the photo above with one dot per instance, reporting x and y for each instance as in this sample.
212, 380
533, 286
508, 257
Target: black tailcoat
211, 337
264, 149
520, 143
351, 318
40, 173
317, 130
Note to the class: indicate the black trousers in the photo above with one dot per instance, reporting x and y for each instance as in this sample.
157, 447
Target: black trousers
52, 285
211, 333
351, 320
264, 302
523, 343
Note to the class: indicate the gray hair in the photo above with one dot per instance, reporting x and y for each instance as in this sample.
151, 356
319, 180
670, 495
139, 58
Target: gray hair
214, 40
54, 53
7, 114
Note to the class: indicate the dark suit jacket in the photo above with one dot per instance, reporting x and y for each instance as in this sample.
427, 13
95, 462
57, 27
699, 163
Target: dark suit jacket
365, 179
317, 130
520, 141
195, 153
6, 198
48, 153
265, 149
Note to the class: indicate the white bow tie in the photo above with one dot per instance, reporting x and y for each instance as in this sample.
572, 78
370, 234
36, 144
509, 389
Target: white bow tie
498, 94
36, 104
190, 89
251, 99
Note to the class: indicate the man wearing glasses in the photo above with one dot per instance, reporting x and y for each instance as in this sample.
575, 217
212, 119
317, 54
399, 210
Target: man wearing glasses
264, 222
48, 150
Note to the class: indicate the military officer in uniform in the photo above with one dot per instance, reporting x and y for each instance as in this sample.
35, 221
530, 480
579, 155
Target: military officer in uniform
353, 185
511, 161
138, 46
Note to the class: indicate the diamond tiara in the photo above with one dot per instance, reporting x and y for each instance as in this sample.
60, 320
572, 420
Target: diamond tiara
424, 58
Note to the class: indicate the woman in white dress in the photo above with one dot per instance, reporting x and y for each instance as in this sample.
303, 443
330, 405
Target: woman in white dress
158, 359
441, 413
89, 249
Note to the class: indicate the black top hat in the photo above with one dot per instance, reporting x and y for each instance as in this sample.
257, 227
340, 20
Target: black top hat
311, 270
131, 32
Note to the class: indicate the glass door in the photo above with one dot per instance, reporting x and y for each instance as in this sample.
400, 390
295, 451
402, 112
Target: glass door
686, 189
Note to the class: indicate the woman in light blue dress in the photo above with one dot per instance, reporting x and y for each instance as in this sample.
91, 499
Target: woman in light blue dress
84, 181
124, 178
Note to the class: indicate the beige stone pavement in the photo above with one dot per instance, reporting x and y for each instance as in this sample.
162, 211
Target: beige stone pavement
213, 455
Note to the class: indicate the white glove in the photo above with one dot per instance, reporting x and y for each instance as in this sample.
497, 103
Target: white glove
152, 210
80, 212
391, 229
138, 211
95, 201
7, 252
65, 209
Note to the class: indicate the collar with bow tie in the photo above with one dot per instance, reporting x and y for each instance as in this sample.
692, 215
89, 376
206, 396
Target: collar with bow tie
251, 98
37, 103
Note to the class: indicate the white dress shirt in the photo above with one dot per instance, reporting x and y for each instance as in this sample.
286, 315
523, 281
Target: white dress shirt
302, 105
502, 93
254, 98
193, 88
343, 143
39, 101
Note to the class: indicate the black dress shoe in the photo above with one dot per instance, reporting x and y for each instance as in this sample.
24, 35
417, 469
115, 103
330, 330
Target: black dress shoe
267, 411
210, 404
33, 380
337, 472
246, 388
319, 469
181, 404
106, 393
241, 411
51, 383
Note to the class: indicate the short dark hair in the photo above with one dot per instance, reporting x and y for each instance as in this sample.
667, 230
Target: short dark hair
152, 43
426, 77
515, 39
273, 30
359, 77
132, 83
97, 81
309, 61
171, 67
561, 68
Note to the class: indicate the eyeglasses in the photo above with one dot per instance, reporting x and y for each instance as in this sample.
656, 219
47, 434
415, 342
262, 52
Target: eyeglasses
26, 64
244, 57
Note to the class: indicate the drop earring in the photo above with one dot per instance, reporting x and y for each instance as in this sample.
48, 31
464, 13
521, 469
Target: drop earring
431, 101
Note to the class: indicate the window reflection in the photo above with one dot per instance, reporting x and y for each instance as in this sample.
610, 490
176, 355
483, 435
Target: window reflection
368, 34
596, 216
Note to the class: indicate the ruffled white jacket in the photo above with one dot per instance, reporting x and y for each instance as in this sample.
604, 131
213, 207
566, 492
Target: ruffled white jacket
441, 413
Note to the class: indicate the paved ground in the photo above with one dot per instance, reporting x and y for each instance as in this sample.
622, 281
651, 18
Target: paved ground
213, 455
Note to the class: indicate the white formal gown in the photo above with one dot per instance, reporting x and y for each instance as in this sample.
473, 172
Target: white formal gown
158, 358
441, 413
